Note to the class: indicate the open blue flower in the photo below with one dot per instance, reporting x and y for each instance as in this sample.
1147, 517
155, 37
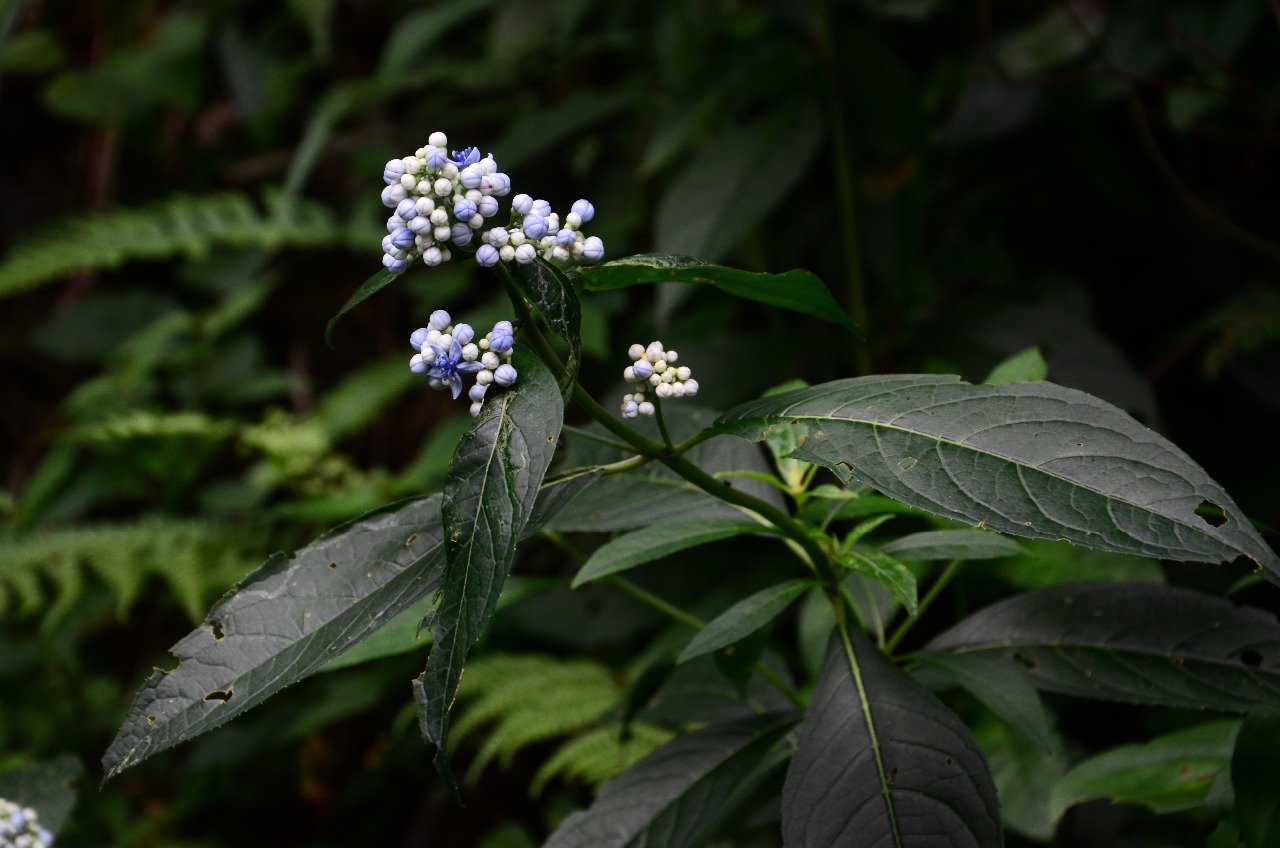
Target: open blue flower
466, 156
449, 366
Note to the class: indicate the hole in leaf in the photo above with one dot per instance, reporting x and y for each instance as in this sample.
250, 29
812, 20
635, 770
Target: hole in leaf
412, 538
333, 565
946, 761
1029, 663
217, 695
151, 719
1212, 514
1251, 658
215, 627
907, 463
893, 774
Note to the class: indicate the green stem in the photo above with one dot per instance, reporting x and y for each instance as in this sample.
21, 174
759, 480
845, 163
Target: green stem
662, 425
936, 589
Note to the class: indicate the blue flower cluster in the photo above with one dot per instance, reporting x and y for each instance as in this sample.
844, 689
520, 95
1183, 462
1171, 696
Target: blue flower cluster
439, 200
447, 351
539, 232
654, 368
19, 827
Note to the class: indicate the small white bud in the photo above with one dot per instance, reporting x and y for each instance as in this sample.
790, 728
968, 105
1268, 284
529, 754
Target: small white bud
525, 253
475, 409
636, 351
408, 181
471, 352
655, 379
573, 220
683, 372
489, 359
412, 165
442, 232
438, 139
433, 256
476, 221
446, 339
672, 356
433, 336
560, 253
646, 408
517, 238
660, 366
663, 391
449, 171
423, 187
677, 389
506, 253
690, 388
425, 205
442, 187
629, 374
484, 378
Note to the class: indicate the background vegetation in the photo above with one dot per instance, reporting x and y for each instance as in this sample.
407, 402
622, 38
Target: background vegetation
192, 191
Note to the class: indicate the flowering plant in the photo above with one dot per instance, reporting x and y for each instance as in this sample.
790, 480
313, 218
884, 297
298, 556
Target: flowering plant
851, 734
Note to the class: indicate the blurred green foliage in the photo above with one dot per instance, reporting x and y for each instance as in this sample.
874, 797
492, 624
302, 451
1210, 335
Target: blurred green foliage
192, 192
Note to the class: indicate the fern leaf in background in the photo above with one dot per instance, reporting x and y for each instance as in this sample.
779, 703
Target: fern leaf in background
179, 226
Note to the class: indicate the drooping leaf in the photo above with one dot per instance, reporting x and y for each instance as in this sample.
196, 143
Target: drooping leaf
489, 497
1256, 779
1023, 367
744, 618
659, 540
952, 544
882, 762
1028, 459
797, 290
671, 797
285, 621
328, 597
45, 787
546, 287
886, 571
1140, 643
1170, 773
376, 283
1002, 689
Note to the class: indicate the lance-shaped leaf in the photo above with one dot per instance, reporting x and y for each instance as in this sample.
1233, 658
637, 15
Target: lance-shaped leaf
881, 762
659, 540
285, 621
952, 544
489, 496
797, 290
551, 293
1146, 644
1029, 459
1170, 773
368, 289
1256, 779
289, 618
886, 571
673, 796
744, 618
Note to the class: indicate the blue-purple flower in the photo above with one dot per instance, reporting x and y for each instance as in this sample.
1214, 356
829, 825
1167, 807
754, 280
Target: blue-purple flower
449, 366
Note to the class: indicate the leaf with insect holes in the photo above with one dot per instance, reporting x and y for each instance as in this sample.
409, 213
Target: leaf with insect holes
1028, 459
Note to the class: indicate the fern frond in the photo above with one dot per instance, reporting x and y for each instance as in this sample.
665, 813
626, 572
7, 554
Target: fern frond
531, 698
193, 558
181, 225
597, 756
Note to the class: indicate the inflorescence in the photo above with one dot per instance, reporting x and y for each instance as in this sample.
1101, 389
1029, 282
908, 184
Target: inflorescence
447, 351
19, 827
656, 369
440, 200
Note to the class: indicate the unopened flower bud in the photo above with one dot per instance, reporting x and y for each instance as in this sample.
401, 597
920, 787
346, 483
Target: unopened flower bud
522, 203
486, 255
526, 253
504, 375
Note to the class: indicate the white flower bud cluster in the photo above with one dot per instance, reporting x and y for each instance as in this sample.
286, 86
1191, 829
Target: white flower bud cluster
20, 828
447, 351
540, 232
439, 200
654, 369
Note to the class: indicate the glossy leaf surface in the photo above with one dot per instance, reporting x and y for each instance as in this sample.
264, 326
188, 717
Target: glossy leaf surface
744, 618
376, 283
1145, 643
881, 763
489, 496
659, 540
798, 291
670, 798
1028, 459
546, 287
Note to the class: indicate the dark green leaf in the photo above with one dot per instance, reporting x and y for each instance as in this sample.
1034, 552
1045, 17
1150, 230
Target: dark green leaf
1139, 643
1028, 459
368, 289
1002, 689
1256, 779
627, 501
882, 762
44, 787
1024, 367
1167, 774
1044, 563
744, 618
489, 497
671, 797
886, 571
952, 544
546, 287
1023, 773
659, 540
285, 621
798, 290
